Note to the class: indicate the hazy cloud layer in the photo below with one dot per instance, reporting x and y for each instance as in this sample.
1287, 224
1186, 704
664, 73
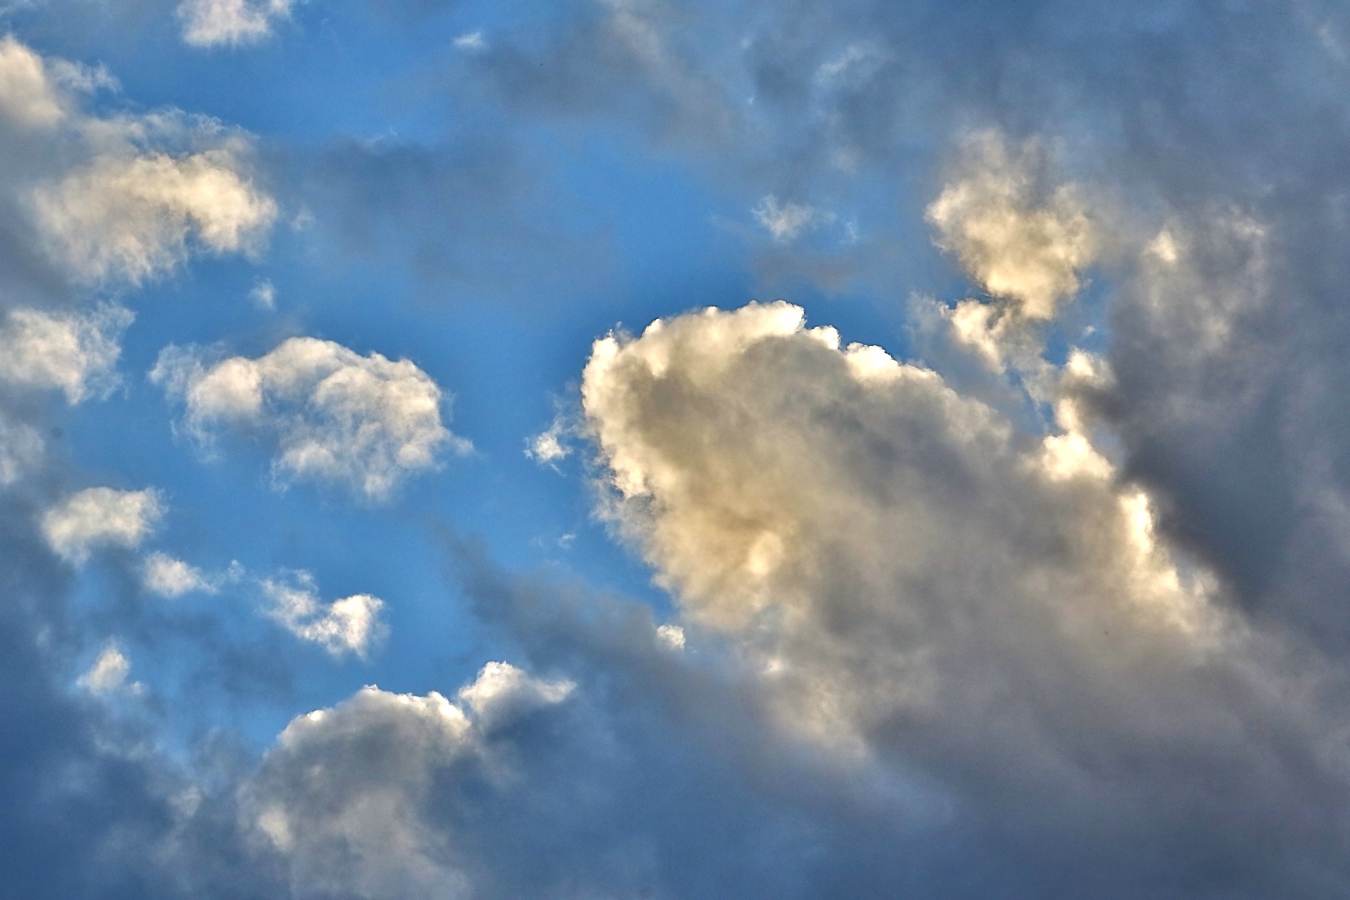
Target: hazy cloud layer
361, 421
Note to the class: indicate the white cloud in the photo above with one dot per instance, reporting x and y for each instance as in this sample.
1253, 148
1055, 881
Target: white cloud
344, 824
27, 94
123, 197
1021, 238
503, 692
214, 23
351, 625
100, 517
902, 563
671, 636
362, 421
548, 447
73, 352
169, 577
109, 673
138, 216
787, 221
21, 449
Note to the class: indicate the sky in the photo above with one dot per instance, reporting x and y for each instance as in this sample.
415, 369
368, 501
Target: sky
647, 449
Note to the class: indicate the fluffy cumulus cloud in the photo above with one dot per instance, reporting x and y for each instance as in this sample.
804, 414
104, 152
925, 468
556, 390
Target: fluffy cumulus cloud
101, 517
73, 352
362, 421
351, 625
212, 23
346, 827
120, 198
917, 581
133, 217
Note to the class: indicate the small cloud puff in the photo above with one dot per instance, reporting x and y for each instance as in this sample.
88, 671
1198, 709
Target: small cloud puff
100, 517
548, 447
72, 352
21, 449
1019, 237
348, 626
215, 23
788, 221
363, 421
473, 41
109, 673
264, 295
169, 577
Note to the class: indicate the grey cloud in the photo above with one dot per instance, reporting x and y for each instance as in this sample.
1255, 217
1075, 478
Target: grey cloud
1200, 113
914, 580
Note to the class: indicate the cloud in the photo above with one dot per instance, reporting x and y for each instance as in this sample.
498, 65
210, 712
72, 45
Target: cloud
471, 42
21, 449
920, 584
351, 625
100, 517
344, 825
121, 197
168, 576
1020, 238
109, 673
264, 295
214, 23
550, 445
503, 692
136, 217
361, 421
788, 220
27, 95
73, 352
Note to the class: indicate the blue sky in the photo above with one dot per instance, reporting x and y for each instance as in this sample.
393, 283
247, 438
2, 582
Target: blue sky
619, 448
